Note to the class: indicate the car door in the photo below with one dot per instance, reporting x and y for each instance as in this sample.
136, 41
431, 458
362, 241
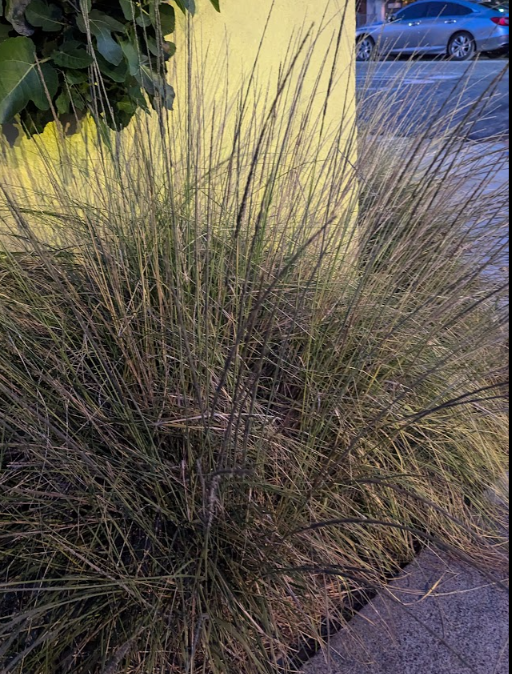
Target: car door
442, 21
401, 33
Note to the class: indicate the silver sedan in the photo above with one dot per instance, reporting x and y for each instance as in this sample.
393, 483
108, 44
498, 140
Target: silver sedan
457, 29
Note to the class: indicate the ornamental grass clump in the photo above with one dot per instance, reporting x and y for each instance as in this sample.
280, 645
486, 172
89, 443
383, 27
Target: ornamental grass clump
238, 387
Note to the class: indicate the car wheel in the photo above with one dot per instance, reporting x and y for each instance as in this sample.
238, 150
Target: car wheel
462, 47
366, 49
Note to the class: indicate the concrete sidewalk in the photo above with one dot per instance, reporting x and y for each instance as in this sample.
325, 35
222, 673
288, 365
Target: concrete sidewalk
439, 617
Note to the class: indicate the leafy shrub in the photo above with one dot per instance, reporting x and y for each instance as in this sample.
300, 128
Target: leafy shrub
51, 51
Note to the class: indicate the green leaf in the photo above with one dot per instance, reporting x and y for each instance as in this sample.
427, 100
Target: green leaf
42, 15
116, 73
4, 32
216, 4
157, 48
151, 81
63, 103
169, 49
186, 6
20, 79
78, 100
144, 19
167, 19
72, 55
127, 106
128, 9
102, 26
76, 77
156, 86
153, 46
15, 14
133, 57
124, 110
136, 95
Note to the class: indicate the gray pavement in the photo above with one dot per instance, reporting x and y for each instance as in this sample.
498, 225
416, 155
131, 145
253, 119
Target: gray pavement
440, 617
422, 91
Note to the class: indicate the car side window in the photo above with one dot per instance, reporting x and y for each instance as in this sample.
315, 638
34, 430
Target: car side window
415, 11
444, 9
463, 11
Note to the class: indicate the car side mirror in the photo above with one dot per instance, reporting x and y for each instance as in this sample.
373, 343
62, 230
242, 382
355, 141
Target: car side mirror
392, 18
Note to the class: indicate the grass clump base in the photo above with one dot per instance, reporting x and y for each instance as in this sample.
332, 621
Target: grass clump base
230, 398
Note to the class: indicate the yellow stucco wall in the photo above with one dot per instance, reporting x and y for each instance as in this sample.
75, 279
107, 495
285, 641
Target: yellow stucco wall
271, 31
225, 47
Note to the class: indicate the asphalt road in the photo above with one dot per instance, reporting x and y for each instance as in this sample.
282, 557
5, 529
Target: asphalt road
414, 95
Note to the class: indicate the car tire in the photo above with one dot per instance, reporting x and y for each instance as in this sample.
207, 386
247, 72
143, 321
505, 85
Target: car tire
366, 49
462, 47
